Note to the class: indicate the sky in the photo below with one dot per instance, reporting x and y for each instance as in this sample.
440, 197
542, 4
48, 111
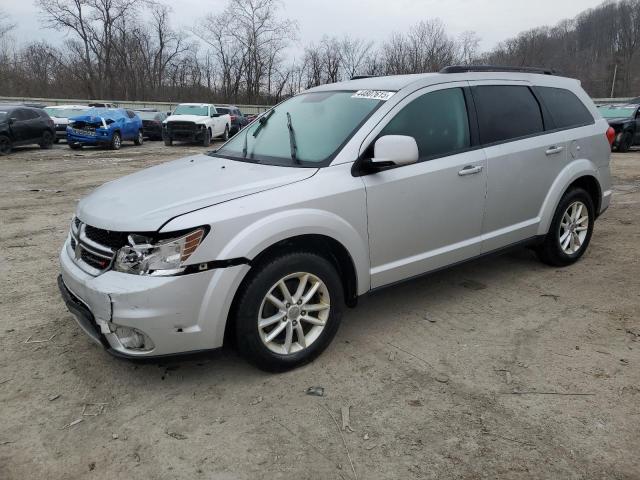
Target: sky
492, 20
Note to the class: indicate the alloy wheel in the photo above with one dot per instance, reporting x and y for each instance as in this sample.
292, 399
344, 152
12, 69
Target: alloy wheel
293, 313
574, 227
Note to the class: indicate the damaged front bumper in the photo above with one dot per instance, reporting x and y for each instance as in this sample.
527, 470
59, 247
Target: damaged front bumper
143, 316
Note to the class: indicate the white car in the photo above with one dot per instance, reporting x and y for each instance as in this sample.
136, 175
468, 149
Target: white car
195, 122
60, 115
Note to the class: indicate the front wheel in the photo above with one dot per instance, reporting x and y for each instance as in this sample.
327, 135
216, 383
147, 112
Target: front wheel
206, 138
288, 311
5, 145
570, 230
139, 140
47, 140
116, 141
624, 145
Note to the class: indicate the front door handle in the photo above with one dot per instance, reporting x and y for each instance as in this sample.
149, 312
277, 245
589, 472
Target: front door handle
470, 170
554, 150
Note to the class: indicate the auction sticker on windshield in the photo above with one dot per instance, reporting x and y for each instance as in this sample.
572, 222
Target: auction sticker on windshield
373, 94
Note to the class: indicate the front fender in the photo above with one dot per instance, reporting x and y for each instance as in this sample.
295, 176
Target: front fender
267, 231
576, 169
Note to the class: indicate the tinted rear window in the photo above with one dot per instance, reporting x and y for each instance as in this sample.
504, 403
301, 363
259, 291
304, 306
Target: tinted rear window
566, 109
506, 112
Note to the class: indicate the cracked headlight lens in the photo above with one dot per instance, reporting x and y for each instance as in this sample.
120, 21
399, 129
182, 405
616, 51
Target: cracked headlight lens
165, 257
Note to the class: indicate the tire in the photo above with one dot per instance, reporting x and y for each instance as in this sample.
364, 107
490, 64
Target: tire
56, 141
552, 251
206, 140
75, 146
225, 135
625, 142
5, 145
168, 142
317, 328
116, 141
139, 140
46, 142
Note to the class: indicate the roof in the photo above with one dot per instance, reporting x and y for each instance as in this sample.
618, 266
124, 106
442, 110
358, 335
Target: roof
70, 107
398, 82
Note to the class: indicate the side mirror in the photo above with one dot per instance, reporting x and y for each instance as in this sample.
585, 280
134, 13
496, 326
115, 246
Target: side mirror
395, 150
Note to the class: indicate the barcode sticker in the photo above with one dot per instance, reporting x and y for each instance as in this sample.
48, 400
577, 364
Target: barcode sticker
373, 94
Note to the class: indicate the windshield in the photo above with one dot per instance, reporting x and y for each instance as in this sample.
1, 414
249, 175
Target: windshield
62, 112
3, 115
192, 110
617, 112
147, 115
321, 123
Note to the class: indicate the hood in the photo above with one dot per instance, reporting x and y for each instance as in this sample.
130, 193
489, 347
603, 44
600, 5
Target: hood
145, 200
186, 118
618, 121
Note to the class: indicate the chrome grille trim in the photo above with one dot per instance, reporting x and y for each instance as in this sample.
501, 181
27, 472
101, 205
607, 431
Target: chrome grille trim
82, 244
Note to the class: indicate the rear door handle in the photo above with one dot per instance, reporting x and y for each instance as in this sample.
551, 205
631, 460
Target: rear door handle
470, 170
554, 150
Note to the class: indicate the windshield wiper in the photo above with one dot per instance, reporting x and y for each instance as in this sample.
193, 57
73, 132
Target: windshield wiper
263, 121
292, 140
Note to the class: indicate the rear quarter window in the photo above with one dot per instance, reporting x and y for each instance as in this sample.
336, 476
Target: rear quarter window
566, 110
506, 112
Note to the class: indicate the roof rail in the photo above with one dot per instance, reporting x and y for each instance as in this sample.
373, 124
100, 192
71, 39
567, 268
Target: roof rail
358, 77
496, 68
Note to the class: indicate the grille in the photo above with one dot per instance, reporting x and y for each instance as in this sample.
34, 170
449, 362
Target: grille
93, 248
95, 261
182, 126
113, 240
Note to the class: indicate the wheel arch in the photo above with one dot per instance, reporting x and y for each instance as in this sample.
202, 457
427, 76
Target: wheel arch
580, 173
323, 245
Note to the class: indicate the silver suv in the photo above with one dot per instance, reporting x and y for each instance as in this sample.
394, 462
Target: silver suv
340, 190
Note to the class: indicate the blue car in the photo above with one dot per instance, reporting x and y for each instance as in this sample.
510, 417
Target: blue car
106, 127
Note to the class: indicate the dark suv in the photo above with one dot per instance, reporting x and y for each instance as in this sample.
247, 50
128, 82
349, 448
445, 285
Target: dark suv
20, 125
238, 120
625, 120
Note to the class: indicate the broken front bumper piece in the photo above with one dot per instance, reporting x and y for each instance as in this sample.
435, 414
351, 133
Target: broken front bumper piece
146, 316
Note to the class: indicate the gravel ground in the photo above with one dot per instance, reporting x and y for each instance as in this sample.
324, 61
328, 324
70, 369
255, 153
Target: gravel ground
499, 368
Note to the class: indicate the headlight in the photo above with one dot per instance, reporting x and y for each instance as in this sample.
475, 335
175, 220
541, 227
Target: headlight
165, 257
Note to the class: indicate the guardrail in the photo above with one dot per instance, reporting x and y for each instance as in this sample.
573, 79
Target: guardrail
169, 106
161, 106
601, 101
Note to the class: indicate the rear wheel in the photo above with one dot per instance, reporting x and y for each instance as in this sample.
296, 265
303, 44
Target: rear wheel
47, 140
225, 135
570, 230
289, 311
5, 145
116, 141
139, 140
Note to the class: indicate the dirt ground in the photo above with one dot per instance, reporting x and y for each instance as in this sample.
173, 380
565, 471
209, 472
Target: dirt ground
499, 368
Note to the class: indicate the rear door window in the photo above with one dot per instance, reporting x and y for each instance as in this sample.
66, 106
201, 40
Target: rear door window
437, 121
566, 110
506, 112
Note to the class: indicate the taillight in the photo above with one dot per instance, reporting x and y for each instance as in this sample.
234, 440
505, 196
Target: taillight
611, 135
233, 117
